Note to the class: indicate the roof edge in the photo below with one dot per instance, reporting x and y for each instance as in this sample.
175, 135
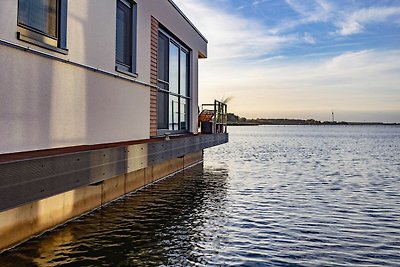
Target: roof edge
188, 20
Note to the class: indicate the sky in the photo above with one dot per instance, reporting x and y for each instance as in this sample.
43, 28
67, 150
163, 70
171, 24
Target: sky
301, 58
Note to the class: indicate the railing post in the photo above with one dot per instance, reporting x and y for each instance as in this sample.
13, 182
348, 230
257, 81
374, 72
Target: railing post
215, 117
225, 118
219, 116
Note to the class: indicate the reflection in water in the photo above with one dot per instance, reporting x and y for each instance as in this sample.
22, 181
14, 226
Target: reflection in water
272, 196
174, 222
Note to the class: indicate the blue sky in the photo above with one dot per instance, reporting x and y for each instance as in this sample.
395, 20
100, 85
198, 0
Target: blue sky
301, 58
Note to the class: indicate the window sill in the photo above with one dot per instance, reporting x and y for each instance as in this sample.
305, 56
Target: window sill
30, 40
123, 71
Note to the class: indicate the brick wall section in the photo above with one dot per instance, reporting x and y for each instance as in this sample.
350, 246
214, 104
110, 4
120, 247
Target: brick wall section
153, 77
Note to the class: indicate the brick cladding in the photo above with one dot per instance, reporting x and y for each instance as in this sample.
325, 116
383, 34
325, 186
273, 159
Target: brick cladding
153, 77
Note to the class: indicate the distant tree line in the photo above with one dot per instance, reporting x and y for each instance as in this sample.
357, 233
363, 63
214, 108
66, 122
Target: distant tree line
236, 120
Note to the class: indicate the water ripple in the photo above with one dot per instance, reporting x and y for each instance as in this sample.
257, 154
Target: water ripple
273, 196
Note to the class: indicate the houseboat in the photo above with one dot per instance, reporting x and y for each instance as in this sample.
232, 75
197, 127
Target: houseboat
98, 98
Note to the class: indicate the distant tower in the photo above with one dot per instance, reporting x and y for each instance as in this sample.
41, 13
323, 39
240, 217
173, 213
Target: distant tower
333, 117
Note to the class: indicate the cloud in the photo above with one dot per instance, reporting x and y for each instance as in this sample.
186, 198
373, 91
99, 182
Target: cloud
354, 81
355, 22
268, 59
311, 10
308, 11
308, 38
231, 35
254, 63
258, 2
345, 17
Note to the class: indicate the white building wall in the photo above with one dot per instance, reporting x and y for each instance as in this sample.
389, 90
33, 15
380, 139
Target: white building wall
46, 103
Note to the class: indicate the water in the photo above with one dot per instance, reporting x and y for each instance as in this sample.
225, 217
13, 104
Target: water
273, 196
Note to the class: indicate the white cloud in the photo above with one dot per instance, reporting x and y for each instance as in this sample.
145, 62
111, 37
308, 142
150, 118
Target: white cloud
355, 22
268, 59
258, 2
308, 38
354, 81
243, 62
231, 35
311, 10
344, 17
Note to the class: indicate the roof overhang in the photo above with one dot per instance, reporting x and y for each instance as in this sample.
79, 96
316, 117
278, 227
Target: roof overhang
188, 20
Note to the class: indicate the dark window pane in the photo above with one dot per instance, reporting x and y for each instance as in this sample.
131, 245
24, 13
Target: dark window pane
184, 125
163, 85
162, 110
162, 57
62, 23
40, 15
124, 34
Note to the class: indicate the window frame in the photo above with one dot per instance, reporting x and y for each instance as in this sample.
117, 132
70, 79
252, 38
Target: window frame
34, 36
180, 95
120, 66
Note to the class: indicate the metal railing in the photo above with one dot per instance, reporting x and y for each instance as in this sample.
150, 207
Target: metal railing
220, 116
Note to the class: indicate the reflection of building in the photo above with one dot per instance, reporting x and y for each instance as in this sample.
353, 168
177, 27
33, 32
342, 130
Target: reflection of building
88, 90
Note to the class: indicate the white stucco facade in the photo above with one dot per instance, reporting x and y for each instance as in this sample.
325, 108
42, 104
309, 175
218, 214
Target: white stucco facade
47, 103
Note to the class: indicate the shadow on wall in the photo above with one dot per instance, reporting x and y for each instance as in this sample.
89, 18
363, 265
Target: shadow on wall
25, 101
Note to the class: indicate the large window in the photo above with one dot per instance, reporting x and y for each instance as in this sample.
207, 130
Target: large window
44, 23
173, 85
126, 36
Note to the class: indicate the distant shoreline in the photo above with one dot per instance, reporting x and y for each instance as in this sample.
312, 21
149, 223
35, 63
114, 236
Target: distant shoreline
316, 124
234, 120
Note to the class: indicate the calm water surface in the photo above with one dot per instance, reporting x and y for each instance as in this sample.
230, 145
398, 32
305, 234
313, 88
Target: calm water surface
273, 196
